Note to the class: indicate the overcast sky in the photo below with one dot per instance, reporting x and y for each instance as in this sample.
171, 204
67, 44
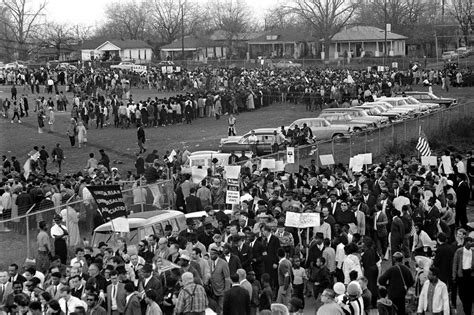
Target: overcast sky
91, 12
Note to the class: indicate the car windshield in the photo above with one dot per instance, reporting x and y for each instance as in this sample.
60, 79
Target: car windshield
433, 96
411, 100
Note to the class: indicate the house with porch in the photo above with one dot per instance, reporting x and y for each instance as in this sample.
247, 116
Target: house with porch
195, 48
368, 41
288, 43
136, 51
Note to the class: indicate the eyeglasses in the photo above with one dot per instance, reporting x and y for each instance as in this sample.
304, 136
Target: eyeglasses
91, 300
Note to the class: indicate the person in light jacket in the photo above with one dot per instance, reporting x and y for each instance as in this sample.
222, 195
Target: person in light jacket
436, 302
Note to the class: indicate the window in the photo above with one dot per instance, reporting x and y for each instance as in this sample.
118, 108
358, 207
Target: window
139, 56
145, 54
315, 123
159, 228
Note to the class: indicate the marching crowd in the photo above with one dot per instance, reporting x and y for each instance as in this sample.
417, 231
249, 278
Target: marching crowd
393, 239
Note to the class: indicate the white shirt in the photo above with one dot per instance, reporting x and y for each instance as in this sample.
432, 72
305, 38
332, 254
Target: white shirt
56, 230
76, 260
466, 258
146, 281
72, 303
129, 297
113, 296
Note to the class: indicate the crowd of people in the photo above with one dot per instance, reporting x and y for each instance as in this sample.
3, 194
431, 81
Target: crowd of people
393, 238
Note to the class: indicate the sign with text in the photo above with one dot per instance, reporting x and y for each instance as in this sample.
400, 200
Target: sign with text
290, 155
327, 159
302, 220
268, 163
233, 191
429, 160
109, 201
447, 165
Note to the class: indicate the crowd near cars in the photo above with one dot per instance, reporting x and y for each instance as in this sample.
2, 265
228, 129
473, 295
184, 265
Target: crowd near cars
339, 123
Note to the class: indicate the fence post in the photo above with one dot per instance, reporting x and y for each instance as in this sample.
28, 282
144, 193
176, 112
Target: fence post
28, 249
142, 206
365, 142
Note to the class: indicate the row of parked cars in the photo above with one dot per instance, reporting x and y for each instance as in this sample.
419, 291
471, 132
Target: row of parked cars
338, 123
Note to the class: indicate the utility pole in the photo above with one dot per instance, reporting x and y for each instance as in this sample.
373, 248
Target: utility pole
182, 31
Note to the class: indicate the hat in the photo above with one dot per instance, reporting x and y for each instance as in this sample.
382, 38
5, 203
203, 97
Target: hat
449, 182
354, 289
185, 255
217, 237
398, 255
216, 251
57, 217
101, 150
339, 288
102, 244
48, 194
30, 262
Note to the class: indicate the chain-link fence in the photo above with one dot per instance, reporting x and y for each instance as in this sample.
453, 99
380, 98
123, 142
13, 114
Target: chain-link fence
79, 215
380, 140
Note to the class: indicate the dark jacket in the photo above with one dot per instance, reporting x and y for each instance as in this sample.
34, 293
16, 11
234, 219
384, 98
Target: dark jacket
444, 261
193, 204
236, 301
394, 279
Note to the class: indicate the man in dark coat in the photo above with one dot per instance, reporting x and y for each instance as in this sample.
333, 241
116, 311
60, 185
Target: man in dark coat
256, 251
397, 232
193, 203
237, 299
462, 194
271, 244
149, 282
232, 260
397, 279
141, 138
444, 258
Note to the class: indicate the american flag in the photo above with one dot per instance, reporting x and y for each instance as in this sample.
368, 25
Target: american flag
423, 146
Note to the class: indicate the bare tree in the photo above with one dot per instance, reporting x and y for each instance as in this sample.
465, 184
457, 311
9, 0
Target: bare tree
463, 12
129, 19
280, 17
21, 22
232, 17
327, 17
58, 36
81, 32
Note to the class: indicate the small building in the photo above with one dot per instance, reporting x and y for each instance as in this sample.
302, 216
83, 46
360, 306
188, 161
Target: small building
136, 51
368, 41
195, 48
288, 43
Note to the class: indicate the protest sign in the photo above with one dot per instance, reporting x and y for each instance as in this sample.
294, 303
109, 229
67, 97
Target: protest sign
447, 166
198, 174
232, 171
429, 160
357, 163
163, 69
233, 191
327, 159
290, 155
109, 201
268, 163
279, 166
367, 158
169, 69
171, 156
302, 220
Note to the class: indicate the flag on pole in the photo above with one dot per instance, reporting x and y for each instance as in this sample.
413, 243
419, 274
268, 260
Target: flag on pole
423, 146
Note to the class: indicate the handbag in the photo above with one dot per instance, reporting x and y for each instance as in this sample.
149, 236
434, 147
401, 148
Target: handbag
411, 301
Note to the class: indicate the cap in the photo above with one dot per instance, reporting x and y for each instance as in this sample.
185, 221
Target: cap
102, 244
185, 255
339, 288
57, 217
450, 182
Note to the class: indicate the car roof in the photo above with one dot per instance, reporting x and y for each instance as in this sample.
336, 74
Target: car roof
200, 214
333, 114
263, 130
139, 219
328, 110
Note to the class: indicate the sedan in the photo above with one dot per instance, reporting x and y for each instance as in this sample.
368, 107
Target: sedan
265, 139
346, 120
322, 129
427, 97
287, 64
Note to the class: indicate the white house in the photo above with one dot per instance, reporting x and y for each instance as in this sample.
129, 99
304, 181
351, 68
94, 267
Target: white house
128, 50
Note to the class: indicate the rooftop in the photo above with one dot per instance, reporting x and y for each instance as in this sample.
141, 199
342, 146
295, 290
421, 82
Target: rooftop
365, 33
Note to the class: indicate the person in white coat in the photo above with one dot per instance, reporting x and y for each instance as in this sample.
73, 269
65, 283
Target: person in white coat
434, 298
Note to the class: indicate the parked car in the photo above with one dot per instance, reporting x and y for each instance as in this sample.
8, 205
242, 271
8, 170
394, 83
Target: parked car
287, 64
66, 66
413, 101
142, 224
129, 66
14, 66
449, 55
322, 129
359, 114
401, 102
427, 97
265, 139
464, 52
346, 120
383, 109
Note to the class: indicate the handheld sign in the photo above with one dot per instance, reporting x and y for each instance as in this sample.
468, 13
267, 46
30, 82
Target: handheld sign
327, 159
429, 160
290, 155
109, 201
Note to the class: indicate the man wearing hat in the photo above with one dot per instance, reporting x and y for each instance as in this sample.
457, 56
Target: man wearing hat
187, 265
397, 279
232, 260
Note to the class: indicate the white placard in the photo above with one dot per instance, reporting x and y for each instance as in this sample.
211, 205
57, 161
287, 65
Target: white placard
279, 166
232, 197
351, 161
290, 155
367, 158
447, 166
302, 220
120, 225
198, 174
178, 69
327, 159
169, 69
395, 65
163, 69
232, 171
357, 163
429, 160
268, 163
380, 68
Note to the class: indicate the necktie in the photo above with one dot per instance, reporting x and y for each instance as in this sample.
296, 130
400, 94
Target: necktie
55, 288
113, 292
1, 290
67, 311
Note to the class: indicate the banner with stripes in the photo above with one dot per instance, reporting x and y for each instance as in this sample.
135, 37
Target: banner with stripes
423, 146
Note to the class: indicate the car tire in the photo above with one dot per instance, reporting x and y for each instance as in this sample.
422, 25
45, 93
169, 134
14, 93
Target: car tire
337, 137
